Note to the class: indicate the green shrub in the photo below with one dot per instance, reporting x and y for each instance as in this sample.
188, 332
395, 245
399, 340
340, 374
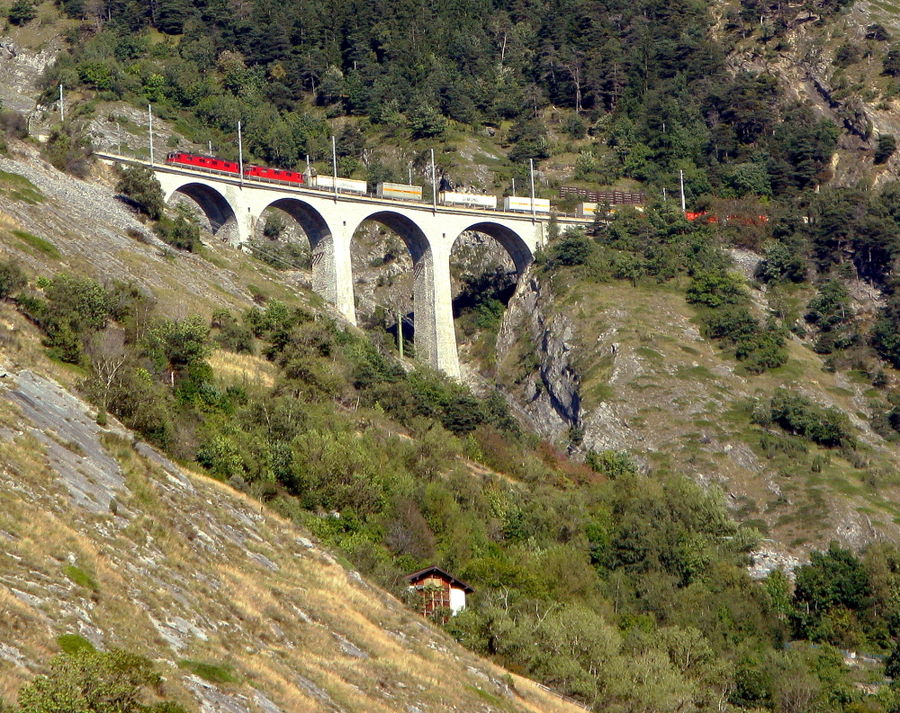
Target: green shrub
762, 351
783, 263
181, 233
572, 249
140, 185
613, 464
232, 334
69, 149
716, 289
733, 324
886, 332
12, 279
97, 682
885, 148
274, 226
797, 414
74, 644
73, 310
21, 12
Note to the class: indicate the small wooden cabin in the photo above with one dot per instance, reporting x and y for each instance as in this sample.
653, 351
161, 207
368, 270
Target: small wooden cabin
439, 591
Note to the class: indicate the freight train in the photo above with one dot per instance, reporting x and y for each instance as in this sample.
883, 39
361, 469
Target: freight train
518, 204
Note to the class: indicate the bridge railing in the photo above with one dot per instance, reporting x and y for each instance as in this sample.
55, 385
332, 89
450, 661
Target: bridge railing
323, 189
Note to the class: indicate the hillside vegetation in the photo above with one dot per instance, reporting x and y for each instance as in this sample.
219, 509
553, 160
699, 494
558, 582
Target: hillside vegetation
722, 380
396, 470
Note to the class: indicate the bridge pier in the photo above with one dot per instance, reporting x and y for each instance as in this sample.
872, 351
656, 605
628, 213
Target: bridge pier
333, 270
244, 217
435, 335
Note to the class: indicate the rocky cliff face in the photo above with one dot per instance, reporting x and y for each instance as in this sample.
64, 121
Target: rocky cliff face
532, 335
609, 366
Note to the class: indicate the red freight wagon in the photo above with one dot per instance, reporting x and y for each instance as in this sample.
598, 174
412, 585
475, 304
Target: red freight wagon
208, 162
274, 174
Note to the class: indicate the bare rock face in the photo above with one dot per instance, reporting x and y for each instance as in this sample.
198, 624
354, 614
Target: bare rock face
21, 70
72, 439
550, 400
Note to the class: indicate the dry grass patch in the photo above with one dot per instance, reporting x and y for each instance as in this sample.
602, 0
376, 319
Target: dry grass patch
242, 369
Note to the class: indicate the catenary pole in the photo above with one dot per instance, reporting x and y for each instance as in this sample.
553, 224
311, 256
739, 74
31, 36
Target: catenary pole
62, 105
150, 115
531, 171
433, 181
681, 183
334, 164
240, 153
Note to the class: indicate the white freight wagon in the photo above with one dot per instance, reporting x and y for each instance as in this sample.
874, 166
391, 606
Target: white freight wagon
522, 204
399, 191
344, 185
470, 200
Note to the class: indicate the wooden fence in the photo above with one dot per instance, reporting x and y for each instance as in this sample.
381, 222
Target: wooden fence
608, 197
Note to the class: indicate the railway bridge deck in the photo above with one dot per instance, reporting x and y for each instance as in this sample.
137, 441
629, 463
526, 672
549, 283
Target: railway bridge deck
234, 205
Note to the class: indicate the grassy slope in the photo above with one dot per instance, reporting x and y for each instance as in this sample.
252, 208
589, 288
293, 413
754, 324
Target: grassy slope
156, 560
686, 407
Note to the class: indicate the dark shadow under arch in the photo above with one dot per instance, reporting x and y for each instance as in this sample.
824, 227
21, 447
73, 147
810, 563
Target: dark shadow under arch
511, 241
307, 217
215, 206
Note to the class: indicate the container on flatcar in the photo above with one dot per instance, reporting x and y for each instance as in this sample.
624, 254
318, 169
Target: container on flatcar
399, 191
586, 210
522, 204
469, 200
344, 185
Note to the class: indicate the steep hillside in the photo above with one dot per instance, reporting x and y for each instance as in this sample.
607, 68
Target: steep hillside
103, 538
627, 369
663, 425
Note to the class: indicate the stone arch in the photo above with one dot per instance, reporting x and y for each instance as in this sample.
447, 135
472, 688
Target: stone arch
512, 242
420, 250
307, 217
410, 233
484, 270
215, 206
321, 243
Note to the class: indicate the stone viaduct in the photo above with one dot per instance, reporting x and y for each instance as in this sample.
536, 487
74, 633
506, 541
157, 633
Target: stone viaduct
330, 220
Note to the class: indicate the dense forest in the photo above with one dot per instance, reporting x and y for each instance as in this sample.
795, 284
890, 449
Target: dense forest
625, 588
645, 85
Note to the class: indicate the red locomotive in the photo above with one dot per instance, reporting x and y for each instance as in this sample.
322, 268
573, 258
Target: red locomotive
210, 163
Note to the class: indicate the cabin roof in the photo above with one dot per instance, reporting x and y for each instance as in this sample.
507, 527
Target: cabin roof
423, 573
